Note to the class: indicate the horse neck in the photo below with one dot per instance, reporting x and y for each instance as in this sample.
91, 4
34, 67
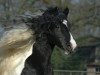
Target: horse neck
51, 42
43, 40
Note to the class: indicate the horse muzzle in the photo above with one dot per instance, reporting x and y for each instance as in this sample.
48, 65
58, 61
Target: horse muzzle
70, 47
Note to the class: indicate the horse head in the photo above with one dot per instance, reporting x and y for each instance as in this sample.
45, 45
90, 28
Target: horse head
57, 27
53, 22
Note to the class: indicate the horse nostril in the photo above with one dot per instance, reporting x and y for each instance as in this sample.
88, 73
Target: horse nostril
69, 46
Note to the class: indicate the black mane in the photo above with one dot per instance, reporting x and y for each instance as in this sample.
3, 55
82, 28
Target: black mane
51, 17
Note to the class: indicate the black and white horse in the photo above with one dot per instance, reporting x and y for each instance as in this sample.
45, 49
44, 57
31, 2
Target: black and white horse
52, 28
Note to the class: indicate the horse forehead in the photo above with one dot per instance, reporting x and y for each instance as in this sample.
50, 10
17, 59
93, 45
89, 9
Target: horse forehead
65, 23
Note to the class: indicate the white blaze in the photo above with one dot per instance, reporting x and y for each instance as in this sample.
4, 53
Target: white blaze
72, 41
65, 22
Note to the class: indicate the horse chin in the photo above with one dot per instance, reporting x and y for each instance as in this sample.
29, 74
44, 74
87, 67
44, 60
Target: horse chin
68, 50
66, 53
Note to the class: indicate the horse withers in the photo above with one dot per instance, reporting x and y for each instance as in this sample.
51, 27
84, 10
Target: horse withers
52, 28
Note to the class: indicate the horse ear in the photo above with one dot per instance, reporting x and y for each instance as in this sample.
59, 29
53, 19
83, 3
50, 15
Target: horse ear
66, 11
55, 10
51, 10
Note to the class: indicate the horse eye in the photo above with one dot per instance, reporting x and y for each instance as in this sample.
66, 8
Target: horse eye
57, 26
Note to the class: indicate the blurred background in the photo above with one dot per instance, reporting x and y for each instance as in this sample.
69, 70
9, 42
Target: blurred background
84, 16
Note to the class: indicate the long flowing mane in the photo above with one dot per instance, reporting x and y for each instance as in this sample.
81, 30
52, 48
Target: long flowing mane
15, 47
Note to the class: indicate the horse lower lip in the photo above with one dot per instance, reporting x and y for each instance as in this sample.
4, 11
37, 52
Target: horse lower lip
69, 49
66, 53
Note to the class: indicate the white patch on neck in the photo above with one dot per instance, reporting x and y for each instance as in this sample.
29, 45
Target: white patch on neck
65, 22
72, 41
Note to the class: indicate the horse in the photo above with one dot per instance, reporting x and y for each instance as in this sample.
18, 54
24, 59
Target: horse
16, 44
52, 29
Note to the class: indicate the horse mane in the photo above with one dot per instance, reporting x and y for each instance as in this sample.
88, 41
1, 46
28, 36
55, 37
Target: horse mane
44, 22
16, 45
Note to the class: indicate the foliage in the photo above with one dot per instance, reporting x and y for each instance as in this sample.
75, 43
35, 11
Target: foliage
86, 40
75, 61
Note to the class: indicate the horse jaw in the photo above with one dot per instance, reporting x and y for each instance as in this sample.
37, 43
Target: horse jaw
15, 47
